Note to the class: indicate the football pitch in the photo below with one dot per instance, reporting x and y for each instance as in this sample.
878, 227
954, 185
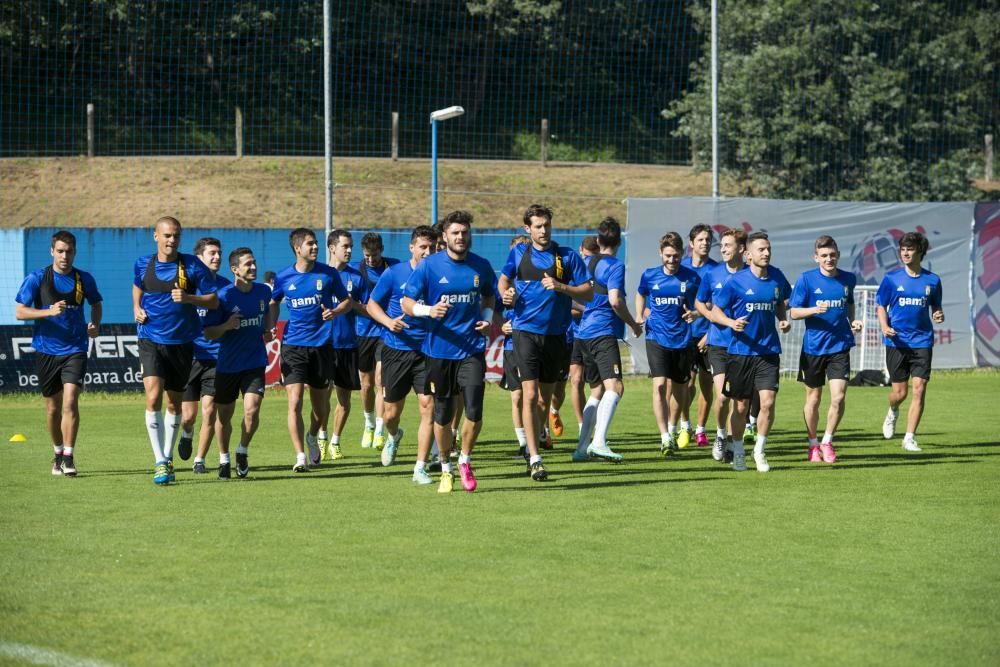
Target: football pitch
886, 557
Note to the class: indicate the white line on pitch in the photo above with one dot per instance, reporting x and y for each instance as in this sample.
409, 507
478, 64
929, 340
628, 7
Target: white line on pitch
42, 656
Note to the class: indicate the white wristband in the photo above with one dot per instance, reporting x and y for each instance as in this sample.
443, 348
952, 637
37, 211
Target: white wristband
487, 314
421, 310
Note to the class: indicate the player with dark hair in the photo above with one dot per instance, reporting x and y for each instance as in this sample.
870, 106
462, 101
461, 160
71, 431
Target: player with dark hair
309, 288
749, 304
732, 246
909, 302
510, 380
167, 289
824, 298
269, 277
602, 325
403, 363
665, 301
539, 282
371, 267
700, 243
246, 325
201, 381
53, 298
456, 291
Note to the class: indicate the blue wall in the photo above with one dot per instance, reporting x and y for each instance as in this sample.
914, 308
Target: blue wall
109, 254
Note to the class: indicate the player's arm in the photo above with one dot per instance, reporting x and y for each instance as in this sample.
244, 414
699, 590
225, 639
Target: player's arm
486, 314
937, 311
620, 307
137, 309
414, 309
219, 330
781, 313
505, 287
883, 321
377, 313
27, 313
582, 292
96, 315
704, 309
640, 306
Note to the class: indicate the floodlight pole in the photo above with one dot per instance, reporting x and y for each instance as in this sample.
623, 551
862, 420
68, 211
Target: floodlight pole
436, 116
327, 127
715, 99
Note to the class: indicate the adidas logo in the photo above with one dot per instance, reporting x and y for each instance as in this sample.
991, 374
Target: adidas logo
403, 286
817, 291
900, 289
291, 288
718, 285
444, 280
656, 286
750, 292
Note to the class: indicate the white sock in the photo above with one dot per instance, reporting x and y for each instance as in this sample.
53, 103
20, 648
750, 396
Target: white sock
370, 420
753, 420
664, 438
67, 450
334, 439
671, 428
199, 459
908, 436
605, 413
462, 458
171, 429
321, 435
154, 428
242, 449
813, 443
445, 466
300, 459
685, 426
720, 433
419, 465
223, 458
589, 419
759, 447
579, 426
894, 411
553, 411
827, 438
58, 449
188, 433
699, 429
379, 426
535, 459
522, 439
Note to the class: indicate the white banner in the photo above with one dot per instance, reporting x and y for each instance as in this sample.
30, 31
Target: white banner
866, 233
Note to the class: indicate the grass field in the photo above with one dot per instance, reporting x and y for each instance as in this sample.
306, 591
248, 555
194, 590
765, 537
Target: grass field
885, 558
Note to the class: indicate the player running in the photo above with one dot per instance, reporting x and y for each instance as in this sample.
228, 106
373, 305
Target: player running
456, 289
201, 382
403, 365
732, 245
749, 304
167, 288
602, 325
824, 298
245, 329
577, 379
306, 356
909, 303
53, 298
665, 301
700, 242
510, 380
539, 282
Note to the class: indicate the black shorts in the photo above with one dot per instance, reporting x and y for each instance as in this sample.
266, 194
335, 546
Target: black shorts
541, 357
747, 374
510, 381
55, 370
172, 363
601, 359
228, 386
815, 369
369, 353
344, 368
201, 380
447, 377
904, 362
306, 365
665, 362
402, 370
717, 358
699, 359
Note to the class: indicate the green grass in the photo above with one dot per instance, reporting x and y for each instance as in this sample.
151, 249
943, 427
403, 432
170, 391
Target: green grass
884, 558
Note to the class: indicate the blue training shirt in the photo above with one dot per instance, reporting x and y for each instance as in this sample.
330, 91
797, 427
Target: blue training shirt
700, 326
305, 294
536, 309
666, 297
244, 348
65, 333
342, 332
829, 332
709, 289
463, 284
365, 326
205, 349
388, 293
908, 301
169, 323
756, 299
599, 319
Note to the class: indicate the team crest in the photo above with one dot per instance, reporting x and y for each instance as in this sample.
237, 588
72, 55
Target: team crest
616, 369
845, 291
475, 280
777, 292
433, 389
927, 290
262, 305
350, 285
319, 284
684, 286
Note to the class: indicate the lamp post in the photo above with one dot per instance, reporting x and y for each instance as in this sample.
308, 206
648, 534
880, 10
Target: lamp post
436, 116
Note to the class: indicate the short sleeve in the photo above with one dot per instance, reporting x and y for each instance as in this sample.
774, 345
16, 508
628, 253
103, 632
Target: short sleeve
510, 266
382, 292
28, 293
138, 269
578, 270
90, 289
884, 295
725, 296
643, 287
337, 285
937, 296
852, 282
691, 294
417, 283
278, 290
799, 297
489, 284
705, 289
203, 281
786, 289
616, 277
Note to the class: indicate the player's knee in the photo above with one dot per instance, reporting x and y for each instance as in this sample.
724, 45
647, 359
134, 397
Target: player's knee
616, 386
474, 402
444, 411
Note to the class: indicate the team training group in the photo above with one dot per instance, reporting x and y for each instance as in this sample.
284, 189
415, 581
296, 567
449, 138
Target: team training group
385, 327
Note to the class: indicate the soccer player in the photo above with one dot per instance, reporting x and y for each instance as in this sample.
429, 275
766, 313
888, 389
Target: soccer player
577, 381
201, 382
540, 281
665, 301
749, 304
909, 304
403, 363
306, 356
824, 298
344, 342
246, 326
167, 288
602, 324
510, 380
700, 242
369, 333
732, 246
456, 289
53, 298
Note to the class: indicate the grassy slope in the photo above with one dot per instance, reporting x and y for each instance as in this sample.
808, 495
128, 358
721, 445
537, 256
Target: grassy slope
287, 192
885, 558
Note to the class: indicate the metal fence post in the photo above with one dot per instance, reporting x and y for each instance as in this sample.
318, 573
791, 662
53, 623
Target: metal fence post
395, 136
989, 157
239, 132
90, 130
545, 142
